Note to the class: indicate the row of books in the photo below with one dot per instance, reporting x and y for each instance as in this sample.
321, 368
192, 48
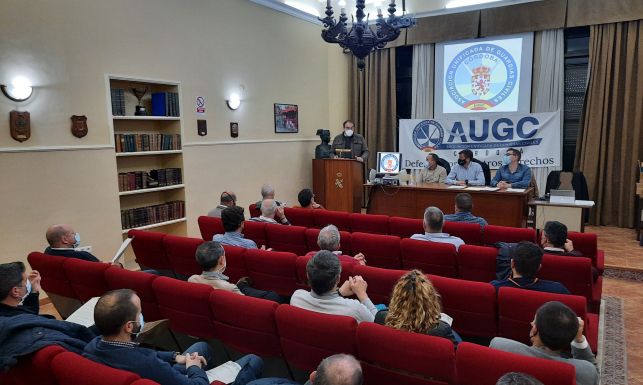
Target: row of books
147, 142
165, 104
118, 101
148, 215
137, 180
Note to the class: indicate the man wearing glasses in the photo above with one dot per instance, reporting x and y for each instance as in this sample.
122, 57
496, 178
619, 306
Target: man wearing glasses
512, 173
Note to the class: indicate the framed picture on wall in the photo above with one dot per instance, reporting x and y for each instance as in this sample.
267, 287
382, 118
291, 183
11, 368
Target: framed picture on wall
286, 118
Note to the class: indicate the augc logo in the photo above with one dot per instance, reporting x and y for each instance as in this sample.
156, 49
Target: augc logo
481, 76
428, 135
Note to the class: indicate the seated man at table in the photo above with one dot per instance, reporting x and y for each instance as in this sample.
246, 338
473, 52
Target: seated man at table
466, 172
433, 224
329, 239
463, 207
526, 261
433, 172
512, 174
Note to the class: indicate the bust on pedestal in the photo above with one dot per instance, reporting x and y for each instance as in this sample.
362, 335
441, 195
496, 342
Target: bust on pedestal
322, 151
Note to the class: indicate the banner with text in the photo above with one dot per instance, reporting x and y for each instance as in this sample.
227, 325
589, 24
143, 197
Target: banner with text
536, 136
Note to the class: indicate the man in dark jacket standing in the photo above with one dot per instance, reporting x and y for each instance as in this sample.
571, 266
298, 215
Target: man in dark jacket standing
350, 140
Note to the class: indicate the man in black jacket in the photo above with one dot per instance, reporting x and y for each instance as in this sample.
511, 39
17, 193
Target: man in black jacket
18, 292
62, 240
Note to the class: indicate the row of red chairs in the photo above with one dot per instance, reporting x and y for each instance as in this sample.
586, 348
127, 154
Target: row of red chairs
472, 234
302, 338
478, 311
475, 263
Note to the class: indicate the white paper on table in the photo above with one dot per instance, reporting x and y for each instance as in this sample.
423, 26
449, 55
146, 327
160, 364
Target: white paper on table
225, 373
476, 188
456, 187
581, 202
446, 318
516, 190
84, 315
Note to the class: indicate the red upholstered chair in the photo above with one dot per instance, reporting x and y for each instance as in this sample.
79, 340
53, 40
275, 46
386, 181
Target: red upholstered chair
587, 243
369, 223
235, 264
380, 250
287, 238
346, 245
272, 270
181, 254
149, 250
311, 239
255, 231
470, 233
328, 217
245, 323
405, 227
253, 211
492, 234
408, 358
480, 365
186, 305
380, 281
302, 278
477, 263
55, 282
517, 308
34, 368
300, 217
72, 369
138, 281
143, 381
471, 304
576, 274
308, 337
210, 226
430, 257
87, 278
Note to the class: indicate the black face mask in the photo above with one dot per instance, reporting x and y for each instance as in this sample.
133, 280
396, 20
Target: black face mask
461, 162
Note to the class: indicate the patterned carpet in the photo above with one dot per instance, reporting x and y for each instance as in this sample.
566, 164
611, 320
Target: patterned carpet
614, 351
629, 275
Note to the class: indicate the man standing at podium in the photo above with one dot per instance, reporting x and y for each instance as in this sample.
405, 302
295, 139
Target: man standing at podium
350, 140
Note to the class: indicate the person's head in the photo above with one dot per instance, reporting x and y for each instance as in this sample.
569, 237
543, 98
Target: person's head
267, 192
62, 236
464, 157
555, 326
463, 202
349, 127
324, 135
517, 378
228, 199
432, 160
415, 304
511, 156
526, 259
328, 238
554, 234
433, 220
305, 197
232, 218
14, 284
210, 256
323, 271
118, 314
268, 207
339, 369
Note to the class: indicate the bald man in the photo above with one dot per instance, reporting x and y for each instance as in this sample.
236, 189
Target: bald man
338, 369
62, 240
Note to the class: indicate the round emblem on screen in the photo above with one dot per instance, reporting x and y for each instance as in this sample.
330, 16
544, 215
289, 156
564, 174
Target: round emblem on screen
481, 76
428, 135
389, 163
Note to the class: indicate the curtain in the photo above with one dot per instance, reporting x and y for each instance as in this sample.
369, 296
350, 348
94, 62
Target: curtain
422, 82
373, 104
610, 141
548, 87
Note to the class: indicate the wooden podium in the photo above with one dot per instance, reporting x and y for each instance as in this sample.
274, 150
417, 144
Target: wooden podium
337, 184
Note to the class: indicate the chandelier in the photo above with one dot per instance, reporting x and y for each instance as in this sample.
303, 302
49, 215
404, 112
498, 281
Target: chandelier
362, 39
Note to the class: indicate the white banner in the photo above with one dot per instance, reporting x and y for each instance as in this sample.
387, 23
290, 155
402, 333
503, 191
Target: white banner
536, 136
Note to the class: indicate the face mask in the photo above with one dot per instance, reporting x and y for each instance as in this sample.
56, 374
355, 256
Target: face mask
28, 290
141, 322
348, 133
461, 162
77, 239
506, 160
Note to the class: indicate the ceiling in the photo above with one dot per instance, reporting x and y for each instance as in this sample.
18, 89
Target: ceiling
311, 9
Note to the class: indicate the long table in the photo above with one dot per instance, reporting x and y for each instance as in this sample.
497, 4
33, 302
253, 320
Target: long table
501, 208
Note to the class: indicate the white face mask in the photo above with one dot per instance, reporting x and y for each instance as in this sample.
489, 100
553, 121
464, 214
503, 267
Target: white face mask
348, 133
27, 291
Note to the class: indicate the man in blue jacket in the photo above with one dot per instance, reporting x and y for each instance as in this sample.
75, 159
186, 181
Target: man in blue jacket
19, 292
512, 174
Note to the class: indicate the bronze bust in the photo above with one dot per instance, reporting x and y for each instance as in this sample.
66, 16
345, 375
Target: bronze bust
322, 150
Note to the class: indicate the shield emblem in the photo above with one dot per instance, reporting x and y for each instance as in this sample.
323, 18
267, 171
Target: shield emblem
79, 125
480, 81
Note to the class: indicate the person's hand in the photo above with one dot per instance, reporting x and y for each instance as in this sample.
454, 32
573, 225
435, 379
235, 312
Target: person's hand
194, 359
359, 286
263, 247
279, 212
461, 183
34, 278
180, 359
315, 205
569, 246
503, 185
360, 159
360, 258
345, 290
580, 338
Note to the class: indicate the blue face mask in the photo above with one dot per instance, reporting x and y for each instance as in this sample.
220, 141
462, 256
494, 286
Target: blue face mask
77, 239
28, 290
506, 160
141, 322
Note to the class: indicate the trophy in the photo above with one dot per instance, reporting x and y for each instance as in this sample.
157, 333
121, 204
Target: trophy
139, 93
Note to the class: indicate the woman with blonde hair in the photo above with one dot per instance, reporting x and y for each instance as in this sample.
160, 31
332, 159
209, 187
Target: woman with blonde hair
415, 307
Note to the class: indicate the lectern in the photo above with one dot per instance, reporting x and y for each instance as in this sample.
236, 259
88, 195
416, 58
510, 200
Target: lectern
337, 184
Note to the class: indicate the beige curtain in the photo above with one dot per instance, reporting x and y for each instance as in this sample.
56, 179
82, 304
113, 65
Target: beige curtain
373, 102
610, 142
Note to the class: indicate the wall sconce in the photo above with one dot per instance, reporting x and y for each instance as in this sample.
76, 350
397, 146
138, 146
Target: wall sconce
234, 102
19, 90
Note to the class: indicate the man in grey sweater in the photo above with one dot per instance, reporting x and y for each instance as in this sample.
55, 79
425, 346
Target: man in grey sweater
555, 328
323, 271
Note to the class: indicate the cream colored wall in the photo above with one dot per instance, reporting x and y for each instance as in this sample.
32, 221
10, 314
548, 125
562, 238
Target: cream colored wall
212, 47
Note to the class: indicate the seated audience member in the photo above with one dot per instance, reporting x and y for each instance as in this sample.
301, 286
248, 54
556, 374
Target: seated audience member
512, 173
517, 378
463, 207
118, 317
329, 239
554, 241
433, 172
19, 292
269, 211
62, 241
227, 199
415, 307
232, 220
525, 263
210, 256
466, 172
433, 224
554, 329
306, 199
323, 271
338, 369
267, 192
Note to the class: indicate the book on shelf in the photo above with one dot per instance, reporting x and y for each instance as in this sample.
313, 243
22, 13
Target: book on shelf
118, 101
148, 215
146, 142
165, 104
137, 180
